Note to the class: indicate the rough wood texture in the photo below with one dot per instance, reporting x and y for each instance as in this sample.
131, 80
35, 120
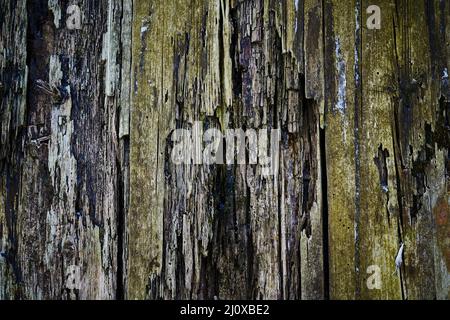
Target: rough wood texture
59, 186
93, 207
388, 147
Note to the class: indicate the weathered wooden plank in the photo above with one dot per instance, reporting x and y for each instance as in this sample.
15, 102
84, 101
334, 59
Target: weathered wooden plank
61, 205
300, 166
421, 144
342, 141
378, 231
13, 90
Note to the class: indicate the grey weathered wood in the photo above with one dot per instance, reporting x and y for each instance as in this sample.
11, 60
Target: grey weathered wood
93, 207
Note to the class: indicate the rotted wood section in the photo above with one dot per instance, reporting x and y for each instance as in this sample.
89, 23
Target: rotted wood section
92, 205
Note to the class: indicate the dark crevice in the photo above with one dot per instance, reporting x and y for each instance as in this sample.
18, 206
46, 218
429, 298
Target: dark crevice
380, 161
250, 271
234, 54
357, 139
309, 169
277, 41
122, 180
121, 213
436, 56
221, 51
399, 186
324, 187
